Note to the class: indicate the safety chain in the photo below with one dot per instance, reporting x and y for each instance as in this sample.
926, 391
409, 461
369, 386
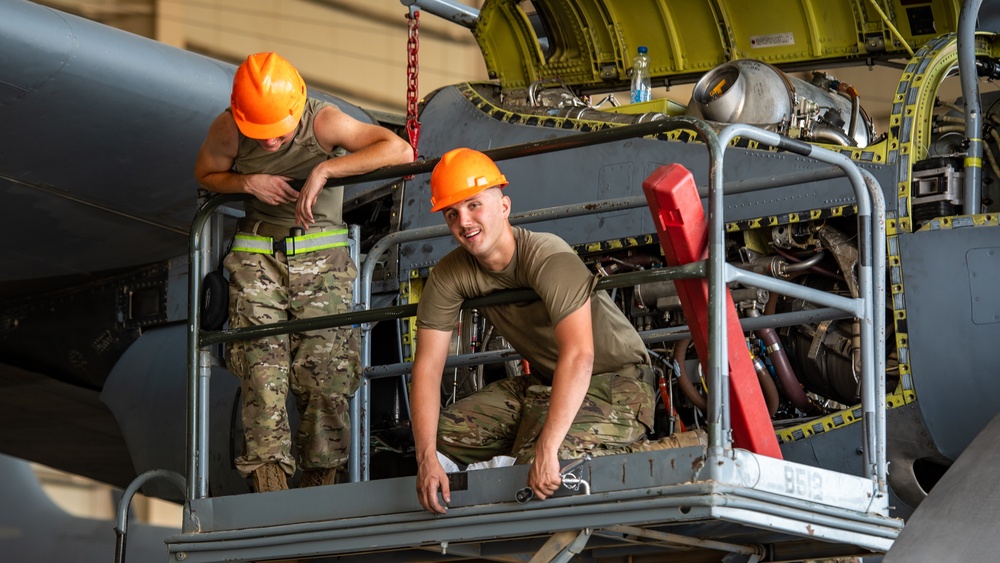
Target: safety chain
412, 47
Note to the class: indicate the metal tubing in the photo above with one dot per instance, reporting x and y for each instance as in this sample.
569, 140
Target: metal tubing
197, 388
194, 438
878, 307
463, 15
354, 405
201, 417
969, 77
533, 148
865, 277
717, 365
648, 336
678, 539
209, 248
693, 270
121, 529
750, 323
846, 304
462, 360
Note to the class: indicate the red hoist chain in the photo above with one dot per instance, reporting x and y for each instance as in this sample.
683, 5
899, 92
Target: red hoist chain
412, 47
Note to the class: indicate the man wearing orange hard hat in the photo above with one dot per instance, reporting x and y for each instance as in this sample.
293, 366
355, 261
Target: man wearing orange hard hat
289, 260
588, 391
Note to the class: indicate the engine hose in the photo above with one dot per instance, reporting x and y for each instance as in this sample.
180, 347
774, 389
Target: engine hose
783, 369
669, 404
812, 268
989, 154
831, 135
766, 385
805, 264
687, 386
852, 130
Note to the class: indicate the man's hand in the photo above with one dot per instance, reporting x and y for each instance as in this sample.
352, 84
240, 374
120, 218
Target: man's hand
314, 184
569, 387
431, 478
544, 477
272, 190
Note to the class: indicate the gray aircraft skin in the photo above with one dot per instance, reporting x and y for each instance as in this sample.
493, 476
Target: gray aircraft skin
102, 129
34, 528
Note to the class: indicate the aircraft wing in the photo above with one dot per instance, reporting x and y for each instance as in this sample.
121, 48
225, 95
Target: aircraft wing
102, 129
96, 176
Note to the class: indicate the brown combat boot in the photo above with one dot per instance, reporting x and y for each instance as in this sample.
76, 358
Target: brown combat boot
317, 477
269, 477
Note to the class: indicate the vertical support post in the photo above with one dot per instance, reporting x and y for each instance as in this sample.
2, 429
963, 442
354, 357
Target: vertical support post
196, 487
969, 78
878, 321
355, 408
201, 428
199, 364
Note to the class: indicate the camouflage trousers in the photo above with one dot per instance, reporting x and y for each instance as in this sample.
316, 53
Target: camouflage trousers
506, 417
321, 368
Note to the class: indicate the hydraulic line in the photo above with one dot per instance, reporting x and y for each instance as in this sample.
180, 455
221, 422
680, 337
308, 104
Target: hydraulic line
685, 382
790, 385
766, 385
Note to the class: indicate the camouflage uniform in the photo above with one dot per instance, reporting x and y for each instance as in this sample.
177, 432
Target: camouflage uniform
321, 368
506, 417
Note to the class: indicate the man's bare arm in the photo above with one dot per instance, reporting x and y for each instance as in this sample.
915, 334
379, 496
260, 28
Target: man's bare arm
575, 338
370, 147
425, 407
214, 167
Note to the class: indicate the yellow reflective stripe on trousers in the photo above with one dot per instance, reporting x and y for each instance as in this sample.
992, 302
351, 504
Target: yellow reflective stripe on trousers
315, 241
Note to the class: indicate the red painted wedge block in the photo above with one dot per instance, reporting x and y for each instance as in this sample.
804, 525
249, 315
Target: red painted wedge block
683, 229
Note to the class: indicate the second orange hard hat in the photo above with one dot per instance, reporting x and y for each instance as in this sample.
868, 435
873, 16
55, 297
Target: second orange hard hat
461, 174
268, 97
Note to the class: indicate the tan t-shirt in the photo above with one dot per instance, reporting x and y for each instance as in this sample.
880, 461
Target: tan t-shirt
294, 159
545, 263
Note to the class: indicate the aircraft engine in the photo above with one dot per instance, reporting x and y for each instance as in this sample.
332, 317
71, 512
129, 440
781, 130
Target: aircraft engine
823, 356
805, 369
756, 93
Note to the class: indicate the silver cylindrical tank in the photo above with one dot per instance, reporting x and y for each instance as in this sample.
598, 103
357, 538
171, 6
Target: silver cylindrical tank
756, 93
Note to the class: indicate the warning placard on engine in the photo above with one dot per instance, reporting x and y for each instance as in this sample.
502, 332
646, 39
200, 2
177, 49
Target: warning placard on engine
772, 40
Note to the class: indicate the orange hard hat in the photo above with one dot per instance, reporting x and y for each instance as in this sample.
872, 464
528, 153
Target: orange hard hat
268, 96
461, 174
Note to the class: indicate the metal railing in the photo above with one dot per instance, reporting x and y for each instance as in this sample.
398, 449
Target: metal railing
868, 306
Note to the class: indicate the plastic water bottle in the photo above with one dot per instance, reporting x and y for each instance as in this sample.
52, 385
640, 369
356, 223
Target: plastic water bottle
641, 88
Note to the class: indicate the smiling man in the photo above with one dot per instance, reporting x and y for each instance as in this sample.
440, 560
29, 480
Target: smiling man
586, 390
